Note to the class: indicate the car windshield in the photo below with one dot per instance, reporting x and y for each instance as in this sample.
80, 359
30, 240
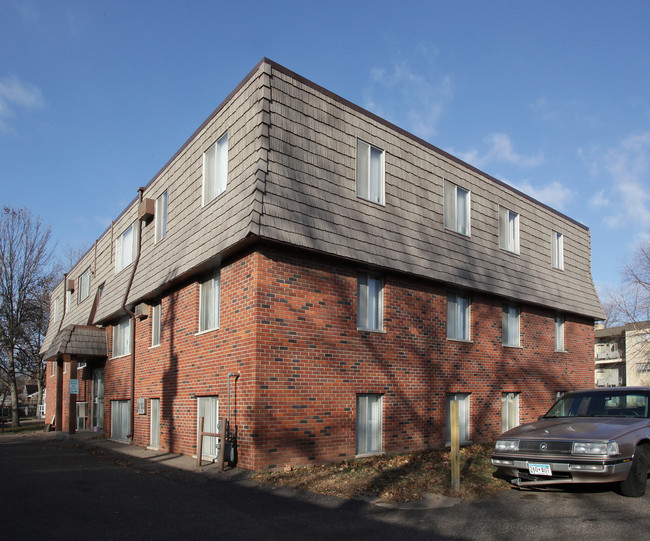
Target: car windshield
599, 404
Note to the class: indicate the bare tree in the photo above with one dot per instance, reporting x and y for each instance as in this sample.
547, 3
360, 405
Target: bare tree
72, 254
25, 257
29, 360
630, 305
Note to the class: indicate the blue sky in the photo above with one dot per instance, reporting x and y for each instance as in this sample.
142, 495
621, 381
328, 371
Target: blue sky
552, 97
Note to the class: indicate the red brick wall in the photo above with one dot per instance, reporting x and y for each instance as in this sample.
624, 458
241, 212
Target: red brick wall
313, 362
288, 326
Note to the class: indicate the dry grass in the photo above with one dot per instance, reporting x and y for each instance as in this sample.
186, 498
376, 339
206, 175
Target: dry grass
396, 478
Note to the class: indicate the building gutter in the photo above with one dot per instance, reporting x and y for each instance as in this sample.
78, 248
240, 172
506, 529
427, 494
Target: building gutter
133, 318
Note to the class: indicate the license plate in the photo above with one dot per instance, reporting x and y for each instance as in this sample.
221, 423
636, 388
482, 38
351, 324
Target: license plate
539, 469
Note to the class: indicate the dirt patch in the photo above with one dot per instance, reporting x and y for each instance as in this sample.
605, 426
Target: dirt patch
396, 478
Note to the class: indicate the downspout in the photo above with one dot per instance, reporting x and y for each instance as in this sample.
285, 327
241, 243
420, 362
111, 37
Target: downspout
133, 320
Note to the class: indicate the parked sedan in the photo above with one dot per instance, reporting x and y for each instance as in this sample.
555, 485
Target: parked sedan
594, 436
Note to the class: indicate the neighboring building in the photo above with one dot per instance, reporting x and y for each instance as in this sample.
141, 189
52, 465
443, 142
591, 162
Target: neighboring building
328, 281
623, 355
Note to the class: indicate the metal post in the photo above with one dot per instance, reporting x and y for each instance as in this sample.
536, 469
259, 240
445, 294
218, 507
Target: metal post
199, 451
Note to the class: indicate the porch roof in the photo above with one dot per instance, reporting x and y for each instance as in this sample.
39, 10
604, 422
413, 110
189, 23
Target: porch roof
79, 341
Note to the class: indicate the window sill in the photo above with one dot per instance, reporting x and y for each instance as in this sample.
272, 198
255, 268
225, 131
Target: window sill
120, 356
513, 346
465, 235
206, 331
365, 455
461, 340
511, 252
375, 331
561, 351
206, 204
461, 442
365, 199
154, 347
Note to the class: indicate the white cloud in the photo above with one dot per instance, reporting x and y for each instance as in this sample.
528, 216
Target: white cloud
410, 99
501, 150
15, 94
554, 194
599, 200
627, 168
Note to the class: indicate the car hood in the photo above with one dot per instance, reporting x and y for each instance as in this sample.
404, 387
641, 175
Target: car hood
576, 428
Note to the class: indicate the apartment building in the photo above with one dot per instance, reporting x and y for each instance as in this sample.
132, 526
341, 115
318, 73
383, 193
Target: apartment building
325, 282
622, 355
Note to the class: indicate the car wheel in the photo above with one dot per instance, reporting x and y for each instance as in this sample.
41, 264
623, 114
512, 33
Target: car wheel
635, 484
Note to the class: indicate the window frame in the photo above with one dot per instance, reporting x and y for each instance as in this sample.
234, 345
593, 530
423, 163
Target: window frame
366, 315
84, 285
509, 407
365, 176
508, 230
161, 217
459, 317
57, 309
215, 170
557, 250
508, 331
120, 263
452, 216
559, 329
156, 313
122, 337
369, 429
67, 301
209, 322
463, 413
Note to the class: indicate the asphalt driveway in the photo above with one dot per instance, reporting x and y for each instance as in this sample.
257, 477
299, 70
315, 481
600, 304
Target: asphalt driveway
80, 488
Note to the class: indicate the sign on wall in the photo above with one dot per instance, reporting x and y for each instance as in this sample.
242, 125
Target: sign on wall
74, 386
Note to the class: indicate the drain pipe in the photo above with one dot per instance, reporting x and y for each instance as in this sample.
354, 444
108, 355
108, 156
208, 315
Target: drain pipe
133, 319
235, 375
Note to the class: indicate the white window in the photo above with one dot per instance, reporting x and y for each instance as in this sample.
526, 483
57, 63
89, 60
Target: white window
120, 419
509, 411
370, 301
458, 317
68, 300
215, 169
126, 247
557, 250
155, 324
369, 423
559, 332
510, 324
209, 303
154, 432
370, 172
457, 208
122, 337
57, 309
161, 217
508, 230
208, 408
84, 285
463, 416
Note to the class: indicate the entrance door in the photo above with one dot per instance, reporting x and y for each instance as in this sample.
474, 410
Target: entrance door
98, 398
120, 419
209, 410
154, 410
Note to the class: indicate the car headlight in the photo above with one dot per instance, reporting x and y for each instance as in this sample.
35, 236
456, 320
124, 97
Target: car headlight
595, 448
507, 445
